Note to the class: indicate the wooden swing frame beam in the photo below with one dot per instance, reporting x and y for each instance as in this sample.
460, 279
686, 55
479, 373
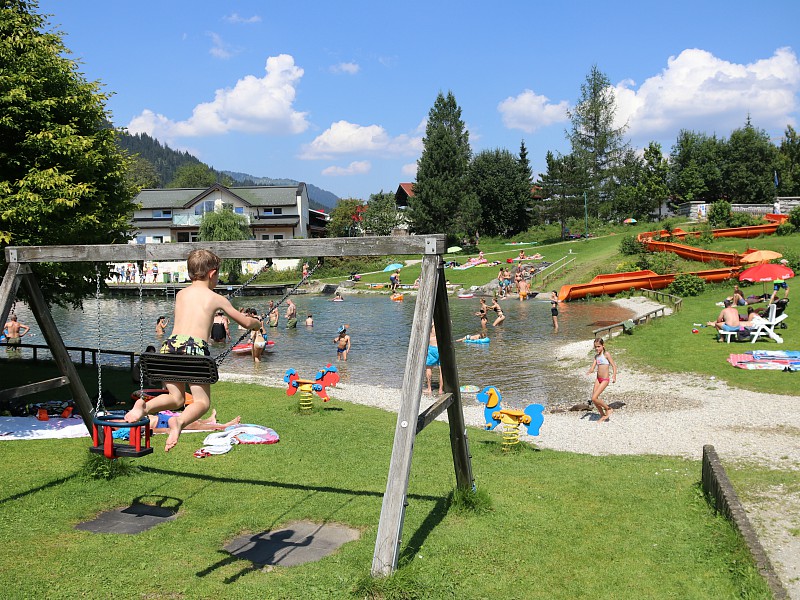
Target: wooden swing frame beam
432, 309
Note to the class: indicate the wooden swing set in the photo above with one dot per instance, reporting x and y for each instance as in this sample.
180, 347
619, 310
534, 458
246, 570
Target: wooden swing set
431, 308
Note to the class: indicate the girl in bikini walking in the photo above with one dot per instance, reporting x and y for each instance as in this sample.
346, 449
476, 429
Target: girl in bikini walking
603, 363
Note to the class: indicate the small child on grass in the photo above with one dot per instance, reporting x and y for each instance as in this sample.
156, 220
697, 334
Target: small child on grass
195, 306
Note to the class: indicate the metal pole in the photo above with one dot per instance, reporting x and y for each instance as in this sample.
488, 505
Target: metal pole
586, 213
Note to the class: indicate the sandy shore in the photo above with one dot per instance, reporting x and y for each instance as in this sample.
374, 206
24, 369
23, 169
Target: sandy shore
662, 414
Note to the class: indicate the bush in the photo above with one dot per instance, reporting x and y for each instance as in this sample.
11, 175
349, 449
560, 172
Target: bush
785, 229
719, 214
629, 246
660, 262
686, 284
794, 217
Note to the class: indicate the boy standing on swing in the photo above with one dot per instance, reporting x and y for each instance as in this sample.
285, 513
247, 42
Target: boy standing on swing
195, 307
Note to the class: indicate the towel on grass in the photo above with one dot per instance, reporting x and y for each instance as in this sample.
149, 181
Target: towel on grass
31, 428
221, 442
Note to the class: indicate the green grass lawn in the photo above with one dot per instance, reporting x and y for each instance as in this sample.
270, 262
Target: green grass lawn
561, 526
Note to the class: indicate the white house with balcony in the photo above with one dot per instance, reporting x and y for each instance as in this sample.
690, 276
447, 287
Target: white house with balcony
273, 213
174, 215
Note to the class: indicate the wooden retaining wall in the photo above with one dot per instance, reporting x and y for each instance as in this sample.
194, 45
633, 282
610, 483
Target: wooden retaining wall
722, 497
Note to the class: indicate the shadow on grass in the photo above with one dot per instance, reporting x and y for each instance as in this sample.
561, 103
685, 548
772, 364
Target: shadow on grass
44, 486
413, 546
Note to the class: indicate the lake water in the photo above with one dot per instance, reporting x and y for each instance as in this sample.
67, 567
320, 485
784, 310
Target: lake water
518, 360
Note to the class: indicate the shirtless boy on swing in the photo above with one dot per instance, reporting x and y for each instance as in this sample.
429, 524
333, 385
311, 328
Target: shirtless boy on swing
195, 306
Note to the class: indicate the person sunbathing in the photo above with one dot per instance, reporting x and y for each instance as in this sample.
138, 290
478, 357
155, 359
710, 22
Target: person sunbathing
728, 319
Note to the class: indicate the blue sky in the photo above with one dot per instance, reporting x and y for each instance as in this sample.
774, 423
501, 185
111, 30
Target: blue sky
337, 93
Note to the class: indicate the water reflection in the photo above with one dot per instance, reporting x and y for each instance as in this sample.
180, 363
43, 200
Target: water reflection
518, 360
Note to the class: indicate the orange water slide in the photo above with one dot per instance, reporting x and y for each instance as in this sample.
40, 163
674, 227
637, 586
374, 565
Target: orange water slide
614, 283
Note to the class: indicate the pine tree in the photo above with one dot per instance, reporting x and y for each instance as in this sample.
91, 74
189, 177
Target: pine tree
596, 143
442, 173
62, 178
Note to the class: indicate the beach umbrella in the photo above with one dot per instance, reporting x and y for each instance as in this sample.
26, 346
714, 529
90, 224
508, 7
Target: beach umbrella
393, 267
760, 256
629, 221
766, 272
454, 249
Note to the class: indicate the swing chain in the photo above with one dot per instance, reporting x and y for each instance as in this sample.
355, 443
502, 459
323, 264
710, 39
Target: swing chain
141, 331
100, 406
223, 355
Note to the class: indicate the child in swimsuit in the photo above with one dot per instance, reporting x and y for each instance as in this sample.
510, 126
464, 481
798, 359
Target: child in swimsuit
342, 342
602, 361
195, 306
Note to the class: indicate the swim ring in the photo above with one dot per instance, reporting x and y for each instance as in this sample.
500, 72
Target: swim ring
478, 341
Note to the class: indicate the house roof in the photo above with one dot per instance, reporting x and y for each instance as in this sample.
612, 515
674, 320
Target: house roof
408, 188
256, 196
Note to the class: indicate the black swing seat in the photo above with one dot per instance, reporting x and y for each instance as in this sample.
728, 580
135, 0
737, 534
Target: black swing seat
186, 368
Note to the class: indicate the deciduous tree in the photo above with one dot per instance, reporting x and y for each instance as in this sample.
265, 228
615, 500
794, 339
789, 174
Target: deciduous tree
750, 161
503, 191
696, 167
380, 216
225, 226
345, 218
62, 178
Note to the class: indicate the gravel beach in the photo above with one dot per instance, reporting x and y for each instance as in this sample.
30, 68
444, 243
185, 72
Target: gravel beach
665, 415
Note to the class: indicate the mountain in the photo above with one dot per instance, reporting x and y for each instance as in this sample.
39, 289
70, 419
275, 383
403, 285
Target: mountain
318, 195
166, 161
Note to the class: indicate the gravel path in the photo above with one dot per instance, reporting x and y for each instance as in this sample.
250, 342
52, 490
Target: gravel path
665, 415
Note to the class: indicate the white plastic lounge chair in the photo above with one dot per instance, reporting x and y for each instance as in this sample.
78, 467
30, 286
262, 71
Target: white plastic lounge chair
766, 327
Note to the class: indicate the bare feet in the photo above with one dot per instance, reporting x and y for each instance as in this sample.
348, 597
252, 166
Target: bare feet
137, 412
235, 421
605, 416
174, 434
428, 392
213, 418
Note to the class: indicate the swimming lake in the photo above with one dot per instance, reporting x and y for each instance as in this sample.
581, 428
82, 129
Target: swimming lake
519, 360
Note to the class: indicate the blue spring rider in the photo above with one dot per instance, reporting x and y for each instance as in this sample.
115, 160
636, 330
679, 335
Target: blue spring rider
494, 414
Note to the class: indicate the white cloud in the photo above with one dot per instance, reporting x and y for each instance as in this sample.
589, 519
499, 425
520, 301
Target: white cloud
343, 137
358, 167
252, 105
349, 68
530, 111
410, 170
219, 49
699, 91
237, 19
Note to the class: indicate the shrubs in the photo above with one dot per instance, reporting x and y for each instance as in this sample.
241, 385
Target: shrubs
686, 284
629, 246
785, 229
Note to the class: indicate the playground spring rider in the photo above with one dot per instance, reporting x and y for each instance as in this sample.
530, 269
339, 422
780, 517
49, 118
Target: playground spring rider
327, 376
494, 415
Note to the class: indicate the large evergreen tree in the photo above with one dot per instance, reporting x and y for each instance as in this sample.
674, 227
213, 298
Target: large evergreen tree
62, 178
596, 143
789, 164
504, 192
562, 186
442, 186
656, 177
749, 166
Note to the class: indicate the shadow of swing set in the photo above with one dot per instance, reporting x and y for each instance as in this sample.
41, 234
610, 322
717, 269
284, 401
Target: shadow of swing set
431, 307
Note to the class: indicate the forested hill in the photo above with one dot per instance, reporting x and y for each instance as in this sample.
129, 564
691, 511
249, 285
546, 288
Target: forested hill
165, 162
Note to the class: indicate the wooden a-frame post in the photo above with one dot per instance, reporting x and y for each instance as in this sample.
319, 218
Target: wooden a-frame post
431, 308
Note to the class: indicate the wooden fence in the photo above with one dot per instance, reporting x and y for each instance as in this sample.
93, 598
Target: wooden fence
676, 302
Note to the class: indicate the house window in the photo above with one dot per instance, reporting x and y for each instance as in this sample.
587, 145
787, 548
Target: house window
158, 239
183, 236
273, 211
277, 236
203, 207
162, 214
264, 236
239, 210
